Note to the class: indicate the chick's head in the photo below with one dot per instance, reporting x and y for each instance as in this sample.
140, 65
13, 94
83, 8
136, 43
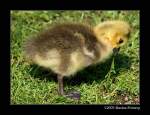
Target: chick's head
115, 33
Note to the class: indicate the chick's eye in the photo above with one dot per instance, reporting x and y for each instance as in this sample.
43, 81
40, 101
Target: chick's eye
120, 41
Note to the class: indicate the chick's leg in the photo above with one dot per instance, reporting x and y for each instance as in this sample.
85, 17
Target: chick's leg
72, 94
60, 85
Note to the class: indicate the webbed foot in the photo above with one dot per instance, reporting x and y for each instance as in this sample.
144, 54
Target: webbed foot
73, 95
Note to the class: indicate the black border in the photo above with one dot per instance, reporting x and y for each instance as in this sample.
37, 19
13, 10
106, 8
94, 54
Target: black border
57, 5
74, 4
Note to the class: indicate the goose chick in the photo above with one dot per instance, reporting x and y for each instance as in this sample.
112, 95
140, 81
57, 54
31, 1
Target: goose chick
68, 48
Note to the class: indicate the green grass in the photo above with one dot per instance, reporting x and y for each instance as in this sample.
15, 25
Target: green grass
31, 84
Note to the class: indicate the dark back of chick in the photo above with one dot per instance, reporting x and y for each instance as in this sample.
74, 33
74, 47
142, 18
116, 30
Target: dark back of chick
65, 42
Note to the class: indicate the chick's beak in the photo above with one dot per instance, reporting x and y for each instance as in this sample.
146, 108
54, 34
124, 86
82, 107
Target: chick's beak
116, 50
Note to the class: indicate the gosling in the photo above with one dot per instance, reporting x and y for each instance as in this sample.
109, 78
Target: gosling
68, 48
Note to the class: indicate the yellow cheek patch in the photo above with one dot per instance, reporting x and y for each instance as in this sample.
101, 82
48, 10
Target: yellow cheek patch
113, 41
